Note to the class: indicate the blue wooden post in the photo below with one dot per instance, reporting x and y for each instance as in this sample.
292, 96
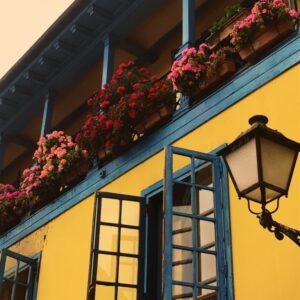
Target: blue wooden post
47, 115
108, 59
188, 39
293, 4
188, 23
168, 238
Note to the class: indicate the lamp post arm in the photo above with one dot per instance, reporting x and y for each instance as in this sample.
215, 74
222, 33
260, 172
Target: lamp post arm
266, 221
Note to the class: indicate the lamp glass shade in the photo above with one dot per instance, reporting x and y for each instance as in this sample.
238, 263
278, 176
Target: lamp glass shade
277, 163
242, 163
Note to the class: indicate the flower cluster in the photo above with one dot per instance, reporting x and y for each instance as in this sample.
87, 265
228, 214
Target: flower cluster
190, 68
12, 202
56, 157
263, 13
195, 65
132, 94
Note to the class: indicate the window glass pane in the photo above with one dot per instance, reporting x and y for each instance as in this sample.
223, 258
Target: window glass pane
205, 201
107, 265
105, 292
182, 231
128, 270
6, 290
129, 241
130, 213
23, 275
108, 239
110, 210
126, 293
20, 292
182, 266
182, 292
182, 198
207, 266
206, 233
204, 175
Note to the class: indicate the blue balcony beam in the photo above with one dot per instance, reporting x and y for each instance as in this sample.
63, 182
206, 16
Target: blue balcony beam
64, 48
108, 59
188, 25
100, 12
35, 77
47, 114
82, 31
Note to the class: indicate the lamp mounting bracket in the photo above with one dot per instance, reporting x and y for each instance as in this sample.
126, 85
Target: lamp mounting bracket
280, 230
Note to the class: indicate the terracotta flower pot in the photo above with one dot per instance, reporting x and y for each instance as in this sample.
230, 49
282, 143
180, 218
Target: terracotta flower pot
154, 119
266, 38
216, 39
224, 70
77, 174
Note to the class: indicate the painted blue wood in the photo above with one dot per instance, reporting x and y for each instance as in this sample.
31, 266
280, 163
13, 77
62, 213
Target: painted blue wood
245, 82
168, 240
218, 220
67, 71
188, 22
30, 262
47, 114
227, 230
108, 59
293, 4
221, 258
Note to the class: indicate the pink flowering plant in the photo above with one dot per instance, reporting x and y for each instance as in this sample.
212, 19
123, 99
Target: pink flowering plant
13, 204
56, 158
263, 13
188, 71
132, 94
57, 154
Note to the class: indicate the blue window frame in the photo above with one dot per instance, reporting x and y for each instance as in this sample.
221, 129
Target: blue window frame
196, 229
116, 264
18, 276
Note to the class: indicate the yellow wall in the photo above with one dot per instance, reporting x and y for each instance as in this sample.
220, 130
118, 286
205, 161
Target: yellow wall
264, 268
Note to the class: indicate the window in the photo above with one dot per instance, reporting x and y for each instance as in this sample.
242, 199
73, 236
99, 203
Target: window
176, 248
194, 248
116, 270
18, 276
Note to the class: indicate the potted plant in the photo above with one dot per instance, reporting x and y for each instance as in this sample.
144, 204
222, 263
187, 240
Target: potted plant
61, 158
269, 22
129, 104
221, 65
221, 29
14, 204
189, 71
58, 163
198, 70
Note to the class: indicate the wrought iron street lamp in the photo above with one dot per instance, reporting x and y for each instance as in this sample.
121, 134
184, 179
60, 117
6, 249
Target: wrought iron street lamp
261, 163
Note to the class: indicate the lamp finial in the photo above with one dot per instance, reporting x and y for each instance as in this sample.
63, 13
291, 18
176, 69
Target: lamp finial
258, 119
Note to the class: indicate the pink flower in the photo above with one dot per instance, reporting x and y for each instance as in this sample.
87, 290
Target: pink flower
293, 13
63, 162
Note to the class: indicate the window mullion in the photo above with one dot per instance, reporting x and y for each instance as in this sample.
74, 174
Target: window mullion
118, 251
194, 230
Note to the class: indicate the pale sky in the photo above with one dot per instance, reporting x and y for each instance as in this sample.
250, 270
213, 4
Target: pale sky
22, 22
